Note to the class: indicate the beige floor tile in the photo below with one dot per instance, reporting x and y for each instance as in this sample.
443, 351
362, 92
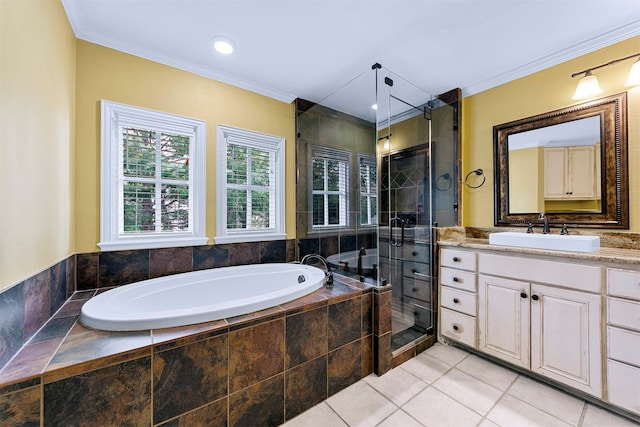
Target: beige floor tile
320, 415
512, 412
488, 423
556, 402
400, 419
469, 391
489, 372
425, 367
446, 353
597, 417
397, 385
361, 405
433, 408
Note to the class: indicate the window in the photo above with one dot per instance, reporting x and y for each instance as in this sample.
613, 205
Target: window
329, 184
368, 190
250, 186
152, 179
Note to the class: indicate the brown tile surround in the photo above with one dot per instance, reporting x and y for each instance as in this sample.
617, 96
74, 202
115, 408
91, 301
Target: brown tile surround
268, 366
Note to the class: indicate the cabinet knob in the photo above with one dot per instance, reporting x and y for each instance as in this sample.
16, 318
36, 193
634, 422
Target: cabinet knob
456, 300
455, 327
455, 279
414, 271
535, 297
456, 259
414, 253
523, 295
415, 289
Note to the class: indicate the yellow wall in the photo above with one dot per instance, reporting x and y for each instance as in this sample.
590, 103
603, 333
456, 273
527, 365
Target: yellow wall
37, 84
544, 91
104, 73
526, 172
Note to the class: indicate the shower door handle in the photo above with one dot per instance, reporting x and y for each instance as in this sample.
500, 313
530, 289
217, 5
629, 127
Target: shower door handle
393, 241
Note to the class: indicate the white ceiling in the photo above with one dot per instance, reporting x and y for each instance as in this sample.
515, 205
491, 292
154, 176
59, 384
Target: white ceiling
311, 48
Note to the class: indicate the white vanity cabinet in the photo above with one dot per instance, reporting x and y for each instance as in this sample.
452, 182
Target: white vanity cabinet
458, 296
623, 338
538, 314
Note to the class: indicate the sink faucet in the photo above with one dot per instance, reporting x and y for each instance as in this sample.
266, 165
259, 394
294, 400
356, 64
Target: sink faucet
328, 276
545, 223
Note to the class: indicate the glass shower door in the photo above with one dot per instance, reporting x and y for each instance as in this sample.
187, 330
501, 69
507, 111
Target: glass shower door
411, 160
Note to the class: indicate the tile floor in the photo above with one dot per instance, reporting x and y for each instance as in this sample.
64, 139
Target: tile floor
446, 386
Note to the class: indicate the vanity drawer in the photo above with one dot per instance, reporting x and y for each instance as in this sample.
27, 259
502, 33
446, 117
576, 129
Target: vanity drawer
456, 258
623, 283
417, 289
623, 345
458, 300
623, 313
416, 252
416, 269
458, 326
623, 382
458, 279
580, 277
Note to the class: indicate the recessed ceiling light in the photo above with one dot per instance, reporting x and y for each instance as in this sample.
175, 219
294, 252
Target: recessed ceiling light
223, 45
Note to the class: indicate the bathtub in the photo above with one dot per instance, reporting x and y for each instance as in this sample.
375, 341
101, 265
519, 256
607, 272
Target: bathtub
199, 296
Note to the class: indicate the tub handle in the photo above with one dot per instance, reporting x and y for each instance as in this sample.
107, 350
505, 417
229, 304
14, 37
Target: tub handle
301, 278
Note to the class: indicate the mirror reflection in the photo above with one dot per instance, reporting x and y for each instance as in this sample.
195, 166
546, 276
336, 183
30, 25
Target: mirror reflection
556, 168
570, 163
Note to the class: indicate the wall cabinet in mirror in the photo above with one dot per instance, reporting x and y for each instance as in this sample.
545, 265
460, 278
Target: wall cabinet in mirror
570, 163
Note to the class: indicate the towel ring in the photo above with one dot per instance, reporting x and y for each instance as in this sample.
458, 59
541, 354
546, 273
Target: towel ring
478, 172
446, 177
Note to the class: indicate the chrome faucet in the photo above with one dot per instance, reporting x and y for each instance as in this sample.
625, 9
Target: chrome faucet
328, 275
545, 223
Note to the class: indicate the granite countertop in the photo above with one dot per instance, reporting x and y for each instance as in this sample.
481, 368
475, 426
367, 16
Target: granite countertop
604, 254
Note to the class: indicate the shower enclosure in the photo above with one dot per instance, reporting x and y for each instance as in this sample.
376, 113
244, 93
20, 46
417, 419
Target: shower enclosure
374, 179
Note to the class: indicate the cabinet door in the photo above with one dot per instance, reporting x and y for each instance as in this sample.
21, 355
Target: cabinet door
503, 319
566, 337
581, 174
555, 173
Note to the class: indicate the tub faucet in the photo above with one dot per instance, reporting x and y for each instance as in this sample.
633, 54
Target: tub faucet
545, 223
328, 275
360, 255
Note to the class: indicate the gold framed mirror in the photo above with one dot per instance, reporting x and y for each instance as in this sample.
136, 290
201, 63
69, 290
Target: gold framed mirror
570, 163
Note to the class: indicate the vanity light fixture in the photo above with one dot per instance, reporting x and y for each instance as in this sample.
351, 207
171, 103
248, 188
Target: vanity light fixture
588, 85
223, 45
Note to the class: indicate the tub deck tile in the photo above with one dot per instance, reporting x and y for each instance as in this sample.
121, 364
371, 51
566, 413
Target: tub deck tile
180, 335
86, 347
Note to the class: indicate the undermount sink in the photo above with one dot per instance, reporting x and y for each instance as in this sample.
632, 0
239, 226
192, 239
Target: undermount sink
554, 242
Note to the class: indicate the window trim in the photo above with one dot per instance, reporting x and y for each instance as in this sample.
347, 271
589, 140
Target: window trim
329, 153
114, 117
262, 141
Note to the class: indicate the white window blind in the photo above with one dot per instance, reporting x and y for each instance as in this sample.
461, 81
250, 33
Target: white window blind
250, 198
368, 189
152, 179
329, 172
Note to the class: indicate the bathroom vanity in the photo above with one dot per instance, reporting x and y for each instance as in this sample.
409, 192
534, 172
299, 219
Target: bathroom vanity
566, 317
